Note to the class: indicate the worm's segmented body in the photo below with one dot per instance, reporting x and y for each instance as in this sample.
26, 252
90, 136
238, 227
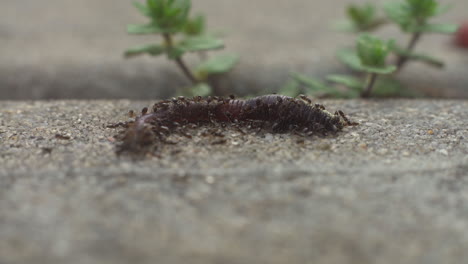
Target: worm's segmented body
275, 112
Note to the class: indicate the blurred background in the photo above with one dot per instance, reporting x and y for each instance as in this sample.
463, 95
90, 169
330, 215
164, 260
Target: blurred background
73, 49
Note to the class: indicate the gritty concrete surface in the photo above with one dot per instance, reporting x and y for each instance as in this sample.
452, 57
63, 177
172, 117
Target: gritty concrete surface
73, 49
392, 190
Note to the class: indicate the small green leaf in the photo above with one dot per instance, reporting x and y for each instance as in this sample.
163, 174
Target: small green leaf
438, 28
201, 89
151, 5
380, 70
350, 58
408, 13
364, 17
152, 49
156, 7
432, 61
175, 52
172, 13
195, 26
143, 9
372, 51
219, 64
184, 5
360, 18
201, 43
412, 15
398, 12
176, 13
419, 57
421, 9
354, 84
361, 15
144, 29
310, 82
349, 81
317, 88
168, 15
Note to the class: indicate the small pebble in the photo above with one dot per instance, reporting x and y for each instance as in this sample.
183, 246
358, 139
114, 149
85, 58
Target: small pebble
268, 137
443, 152
382, 151
209, 179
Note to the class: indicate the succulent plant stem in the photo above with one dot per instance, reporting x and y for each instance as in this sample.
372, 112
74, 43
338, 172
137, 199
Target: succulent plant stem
402, 60
371, 78
179, 61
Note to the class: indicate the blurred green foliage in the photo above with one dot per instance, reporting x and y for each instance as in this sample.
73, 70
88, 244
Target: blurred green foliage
181, 34
370, 54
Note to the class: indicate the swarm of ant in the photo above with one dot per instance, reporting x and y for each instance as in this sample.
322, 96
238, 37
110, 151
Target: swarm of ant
273, 113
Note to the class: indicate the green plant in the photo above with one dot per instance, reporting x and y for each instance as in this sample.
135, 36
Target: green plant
181, 34
412, 17
361, 18
369, 56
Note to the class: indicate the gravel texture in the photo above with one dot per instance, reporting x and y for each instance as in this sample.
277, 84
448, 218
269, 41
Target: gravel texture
73, 49
391, 190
